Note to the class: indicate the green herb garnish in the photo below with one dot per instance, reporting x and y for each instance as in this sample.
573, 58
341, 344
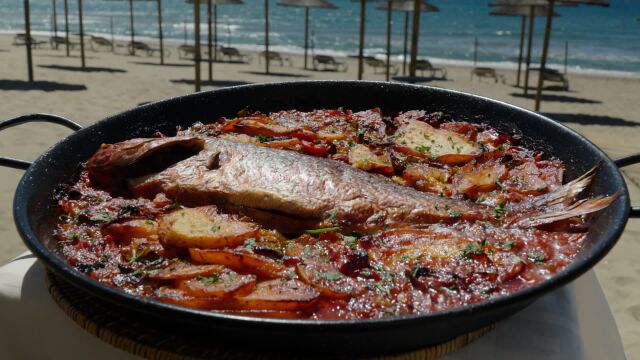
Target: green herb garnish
208, 280
323, 230
507, 244
351, 241
499, 211
423, 149
331, 276
215, 228
536, 257
472, 249
102, 217
250, 242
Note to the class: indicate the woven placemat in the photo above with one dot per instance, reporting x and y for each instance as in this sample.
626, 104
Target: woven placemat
123, 330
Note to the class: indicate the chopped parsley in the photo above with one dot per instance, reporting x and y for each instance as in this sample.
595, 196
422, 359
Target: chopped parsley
536, 257
333, 215
250, 243
323, 230
507, 244
473, 248
455, 213
423, 149
102, 217
208, 280
500, 147
499, 211
351, 241
331, 276
263, 138
215, 228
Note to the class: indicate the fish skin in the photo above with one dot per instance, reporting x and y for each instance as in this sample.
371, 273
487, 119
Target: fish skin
300, 186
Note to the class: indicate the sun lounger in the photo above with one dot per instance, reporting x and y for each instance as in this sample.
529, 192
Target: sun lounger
552, 75
434, 72
232, 54
381, 65
21, 39
275, 56
57, 41
328, 63
486, 72
140, 46
98, 43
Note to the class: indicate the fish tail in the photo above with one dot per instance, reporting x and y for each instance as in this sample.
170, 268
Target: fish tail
560, 204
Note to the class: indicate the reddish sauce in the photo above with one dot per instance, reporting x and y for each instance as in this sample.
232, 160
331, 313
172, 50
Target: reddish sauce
324, 274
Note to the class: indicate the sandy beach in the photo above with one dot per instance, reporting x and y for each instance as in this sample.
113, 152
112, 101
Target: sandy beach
604, 109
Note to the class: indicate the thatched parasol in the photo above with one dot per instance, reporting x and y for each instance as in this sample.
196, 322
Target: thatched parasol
405, 6
307, 4
523, 12
547, 29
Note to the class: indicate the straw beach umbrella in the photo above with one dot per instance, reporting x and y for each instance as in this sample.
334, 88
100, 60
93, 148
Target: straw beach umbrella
547, 29
523, 12
405, 6
307, 4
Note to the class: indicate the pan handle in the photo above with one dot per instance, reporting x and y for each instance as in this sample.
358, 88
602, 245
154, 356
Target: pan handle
626, 161
21, 164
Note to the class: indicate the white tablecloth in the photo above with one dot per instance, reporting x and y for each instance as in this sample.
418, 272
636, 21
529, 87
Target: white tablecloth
573, 322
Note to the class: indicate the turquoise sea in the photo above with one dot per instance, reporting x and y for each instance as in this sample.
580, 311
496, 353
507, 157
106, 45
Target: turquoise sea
600, 40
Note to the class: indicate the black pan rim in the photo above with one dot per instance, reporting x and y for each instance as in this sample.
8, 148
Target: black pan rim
151, 306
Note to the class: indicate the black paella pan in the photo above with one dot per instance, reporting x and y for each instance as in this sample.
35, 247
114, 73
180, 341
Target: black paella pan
33, 207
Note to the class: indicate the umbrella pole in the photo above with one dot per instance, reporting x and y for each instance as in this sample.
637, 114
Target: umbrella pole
528, 62
215, 31
55, 23
566, 56
160, 32
133, 49
196, 23
361, 42
406, 35
266, 36
522, 29
306, 35
111, 30
414, 38
27, 30
545, 50
475, 51
388, 39
184, 30
81, 34
209, 39
66, 25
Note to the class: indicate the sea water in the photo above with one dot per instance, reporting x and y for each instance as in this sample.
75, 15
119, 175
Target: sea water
600, 40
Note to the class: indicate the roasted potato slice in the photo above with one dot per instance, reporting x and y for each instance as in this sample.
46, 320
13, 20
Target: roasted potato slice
361, 157
204, 227
329, 281
479, 180
242, 260
131, 229
219, 284
181, 270
280, 294
419, 138
178, 297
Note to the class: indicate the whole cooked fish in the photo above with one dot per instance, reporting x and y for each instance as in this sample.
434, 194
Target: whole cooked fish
288, 189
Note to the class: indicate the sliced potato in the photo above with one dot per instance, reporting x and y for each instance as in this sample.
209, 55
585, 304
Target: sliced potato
132, 229
479, 180
282, 295
361, 157
329, 281
222, 284
242, 260
178, 297
180, 270
204, 227
419, 138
